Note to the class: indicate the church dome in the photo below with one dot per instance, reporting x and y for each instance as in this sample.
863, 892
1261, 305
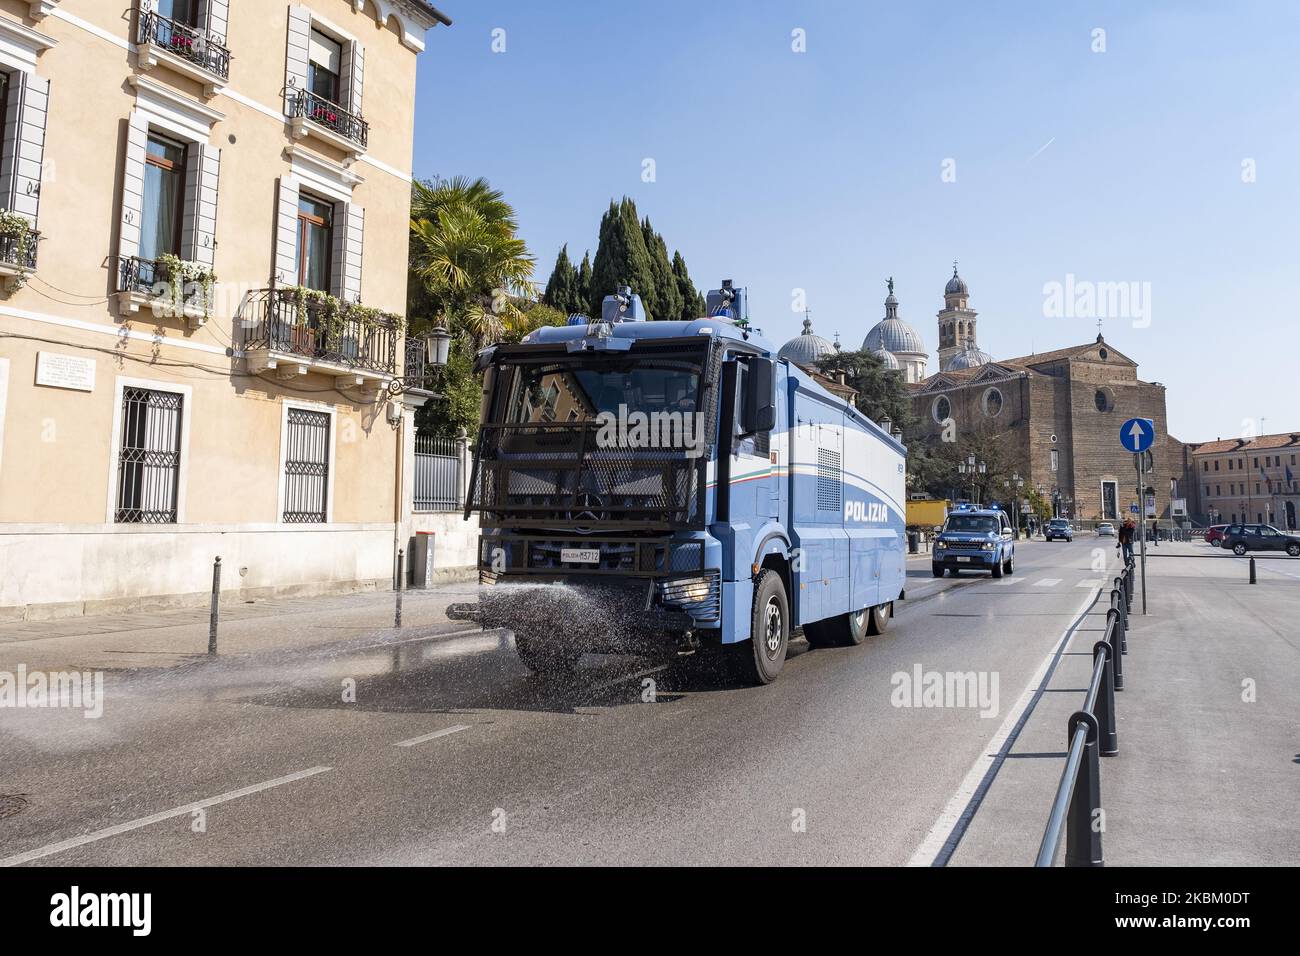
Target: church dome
887, 358
891, 333
969, 358
806, 349
956, 285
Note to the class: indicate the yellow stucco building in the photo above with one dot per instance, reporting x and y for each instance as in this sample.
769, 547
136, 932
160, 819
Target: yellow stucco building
202, 284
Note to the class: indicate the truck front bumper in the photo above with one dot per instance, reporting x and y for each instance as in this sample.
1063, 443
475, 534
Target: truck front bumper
596, 614
982, 560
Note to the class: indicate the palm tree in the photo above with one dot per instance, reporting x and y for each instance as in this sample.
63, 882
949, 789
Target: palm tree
468, 265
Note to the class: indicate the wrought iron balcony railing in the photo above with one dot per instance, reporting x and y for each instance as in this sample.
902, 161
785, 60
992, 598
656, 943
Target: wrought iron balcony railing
17, 253
331, 116
276, 320
189, 43
149, 277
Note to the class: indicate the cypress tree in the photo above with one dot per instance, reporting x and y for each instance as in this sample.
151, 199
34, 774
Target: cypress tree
692, 302
562, 288
583, 300
621, 257
667, 296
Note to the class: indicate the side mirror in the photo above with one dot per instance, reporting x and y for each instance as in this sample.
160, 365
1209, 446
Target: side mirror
484, 358
758, 411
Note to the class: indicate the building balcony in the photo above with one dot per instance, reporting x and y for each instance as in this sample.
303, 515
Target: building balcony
292, 335
312, 115
149, 283
187, 50
17, 256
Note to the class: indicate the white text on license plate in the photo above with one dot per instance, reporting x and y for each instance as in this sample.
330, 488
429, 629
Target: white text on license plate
580, 555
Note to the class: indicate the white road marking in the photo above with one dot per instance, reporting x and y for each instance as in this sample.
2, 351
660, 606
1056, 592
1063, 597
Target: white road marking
104, 834
959, 805
446, 731
1091, 583
1004, 581
1047, 583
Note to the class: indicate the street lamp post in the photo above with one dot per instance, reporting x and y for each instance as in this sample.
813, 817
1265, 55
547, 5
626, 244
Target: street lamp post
972, 467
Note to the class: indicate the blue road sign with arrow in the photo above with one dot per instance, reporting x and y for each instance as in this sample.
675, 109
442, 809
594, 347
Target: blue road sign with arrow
1137, 434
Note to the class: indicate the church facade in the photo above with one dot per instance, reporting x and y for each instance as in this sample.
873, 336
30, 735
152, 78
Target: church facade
1056, 414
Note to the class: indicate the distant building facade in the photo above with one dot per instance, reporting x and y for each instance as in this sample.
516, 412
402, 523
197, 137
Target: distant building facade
1251, 480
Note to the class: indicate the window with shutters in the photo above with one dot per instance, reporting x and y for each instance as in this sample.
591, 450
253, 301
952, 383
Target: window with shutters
169, 208
324, 78
149, 456
306, 466
24, 105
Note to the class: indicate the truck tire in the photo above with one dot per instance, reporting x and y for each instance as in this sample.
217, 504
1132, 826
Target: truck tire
760, 659
937, 570
878, 618
843, 630
541, 659
997, 567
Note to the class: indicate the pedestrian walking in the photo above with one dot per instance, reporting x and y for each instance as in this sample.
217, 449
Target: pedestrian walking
1155, 533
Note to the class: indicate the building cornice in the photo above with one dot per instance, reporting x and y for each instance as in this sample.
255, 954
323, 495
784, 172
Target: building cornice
413, 16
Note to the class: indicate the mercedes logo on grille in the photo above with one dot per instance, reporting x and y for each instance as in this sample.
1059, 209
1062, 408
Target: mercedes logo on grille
588, 508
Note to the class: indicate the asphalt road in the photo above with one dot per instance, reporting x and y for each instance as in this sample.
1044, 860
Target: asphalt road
452, 752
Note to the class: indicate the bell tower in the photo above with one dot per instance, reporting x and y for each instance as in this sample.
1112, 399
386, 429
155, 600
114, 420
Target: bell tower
956, 320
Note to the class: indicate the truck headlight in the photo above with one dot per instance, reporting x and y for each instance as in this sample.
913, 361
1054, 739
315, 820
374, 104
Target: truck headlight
687, 590
989, 546
940, 545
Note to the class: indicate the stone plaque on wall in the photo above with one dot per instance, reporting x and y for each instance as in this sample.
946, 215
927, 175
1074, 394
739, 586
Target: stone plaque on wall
65, 371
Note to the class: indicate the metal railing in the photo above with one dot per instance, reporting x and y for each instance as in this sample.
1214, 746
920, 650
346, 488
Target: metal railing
438, 469
274, 319
13, 251
192, 44
323, 112
1092, 735
153, 278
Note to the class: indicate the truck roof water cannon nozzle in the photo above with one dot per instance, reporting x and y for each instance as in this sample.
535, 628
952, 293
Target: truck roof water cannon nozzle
623, 306
728, 303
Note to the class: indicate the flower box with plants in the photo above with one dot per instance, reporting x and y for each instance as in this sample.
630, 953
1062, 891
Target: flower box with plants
336, 330
17, 248
180, 288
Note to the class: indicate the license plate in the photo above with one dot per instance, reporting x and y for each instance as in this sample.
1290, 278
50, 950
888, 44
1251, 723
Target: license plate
580, 555
963, 559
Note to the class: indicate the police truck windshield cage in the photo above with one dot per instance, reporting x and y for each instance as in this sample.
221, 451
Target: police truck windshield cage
693, 493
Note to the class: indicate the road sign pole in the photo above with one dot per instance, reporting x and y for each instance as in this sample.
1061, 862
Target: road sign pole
1142, 522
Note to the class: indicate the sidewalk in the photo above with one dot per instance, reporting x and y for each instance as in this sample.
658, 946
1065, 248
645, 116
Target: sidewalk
1205, 775
159, 639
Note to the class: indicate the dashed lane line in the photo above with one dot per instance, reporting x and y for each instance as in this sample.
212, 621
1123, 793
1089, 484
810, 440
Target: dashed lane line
1047, 583
445, 732
53, 848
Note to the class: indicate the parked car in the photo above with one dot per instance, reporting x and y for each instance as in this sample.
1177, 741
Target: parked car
1058, 528
1214, 534
975, 539
1105, 528
1240, 538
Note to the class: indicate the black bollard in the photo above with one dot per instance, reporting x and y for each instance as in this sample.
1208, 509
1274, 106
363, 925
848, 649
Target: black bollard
1082, 838
1252, 571
212, 610
401, 561
1115, 627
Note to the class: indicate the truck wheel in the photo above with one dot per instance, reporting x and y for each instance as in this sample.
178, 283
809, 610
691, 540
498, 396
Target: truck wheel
878, 618
541, 659
760, 659
845, 630
997, 567
937, 569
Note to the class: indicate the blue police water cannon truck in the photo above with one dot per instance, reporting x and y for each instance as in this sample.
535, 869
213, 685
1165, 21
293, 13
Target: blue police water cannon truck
671, 487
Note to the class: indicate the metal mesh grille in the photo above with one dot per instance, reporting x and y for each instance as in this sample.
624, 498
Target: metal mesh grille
306, 466
149, 459
556, 471
829, 480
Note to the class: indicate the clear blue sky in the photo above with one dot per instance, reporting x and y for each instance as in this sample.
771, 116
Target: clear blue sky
822, 170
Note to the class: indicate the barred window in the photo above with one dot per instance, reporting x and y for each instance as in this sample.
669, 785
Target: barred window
149, 458
829, 480
306, 465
